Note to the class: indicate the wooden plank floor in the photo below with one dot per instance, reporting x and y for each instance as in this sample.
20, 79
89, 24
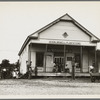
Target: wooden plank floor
61, 74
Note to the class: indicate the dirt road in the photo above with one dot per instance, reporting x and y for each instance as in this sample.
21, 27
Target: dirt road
49, 86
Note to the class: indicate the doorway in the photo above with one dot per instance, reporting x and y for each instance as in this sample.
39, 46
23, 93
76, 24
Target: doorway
49, 62
77, 60
59, 61
69, 61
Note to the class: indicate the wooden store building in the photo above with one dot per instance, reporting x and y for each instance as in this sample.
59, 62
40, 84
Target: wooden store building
57, 43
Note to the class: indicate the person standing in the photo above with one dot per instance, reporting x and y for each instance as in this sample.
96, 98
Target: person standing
73, 68
14, 74
4, 73
29, 73
29, 69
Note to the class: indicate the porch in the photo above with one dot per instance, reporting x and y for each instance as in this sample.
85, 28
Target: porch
44, 56
77, 74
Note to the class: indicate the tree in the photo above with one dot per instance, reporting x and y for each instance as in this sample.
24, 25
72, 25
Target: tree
5, 64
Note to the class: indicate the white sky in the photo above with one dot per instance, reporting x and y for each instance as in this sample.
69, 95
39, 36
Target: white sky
20, 19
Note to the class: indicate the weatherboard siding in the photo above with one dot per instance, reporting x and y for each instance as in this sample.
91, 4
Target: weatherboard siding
56, 32
23, 58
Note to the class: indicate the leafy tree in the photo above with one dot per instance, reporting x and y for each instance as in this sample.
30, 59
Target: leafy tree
5, 64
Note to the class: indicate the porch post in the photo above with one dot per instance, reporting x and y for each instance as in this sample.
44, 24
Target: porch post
97, 63
81, 58
88, 58
45, 57
95, 59
29, 52
64, 58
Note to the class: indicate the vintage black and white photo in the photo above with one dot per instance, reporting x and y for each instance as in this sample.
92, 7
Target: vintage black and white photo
50, 49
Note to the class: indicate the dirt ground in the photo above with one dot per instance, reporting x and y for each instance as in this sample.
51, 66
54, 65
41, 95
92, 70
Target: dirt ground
49, 86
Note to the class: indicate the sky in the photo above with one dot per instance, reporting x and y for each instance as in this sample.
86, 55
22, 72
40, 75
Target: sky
20, 19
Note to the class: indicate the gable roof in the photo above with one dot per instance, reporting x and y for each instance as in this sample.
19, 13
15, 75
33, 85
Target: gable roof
65, 17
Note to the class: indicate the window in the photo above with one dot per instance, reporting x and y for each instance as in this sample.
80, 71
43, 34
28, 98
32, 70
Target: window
69, 58
39, 59
59, 60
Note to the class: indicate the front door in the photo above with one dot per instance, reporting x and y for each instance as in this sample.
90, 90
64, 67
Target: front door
49, 62
77, 60
69, 61
59, 61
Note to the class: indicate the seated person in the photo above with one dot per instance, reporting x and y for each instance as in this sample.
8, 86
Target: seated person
55, 68
91, 69
66, 68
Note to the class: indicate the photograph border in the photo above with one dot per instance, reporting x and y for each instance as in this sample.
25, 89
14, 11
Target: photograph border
54, 97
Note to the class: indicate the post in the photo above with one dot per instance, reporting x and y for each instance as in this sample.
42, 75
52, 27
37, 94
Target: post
45, 58
73, 68
88, 58
95, 59
29, 56
35, 69
64, 58
81, 57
